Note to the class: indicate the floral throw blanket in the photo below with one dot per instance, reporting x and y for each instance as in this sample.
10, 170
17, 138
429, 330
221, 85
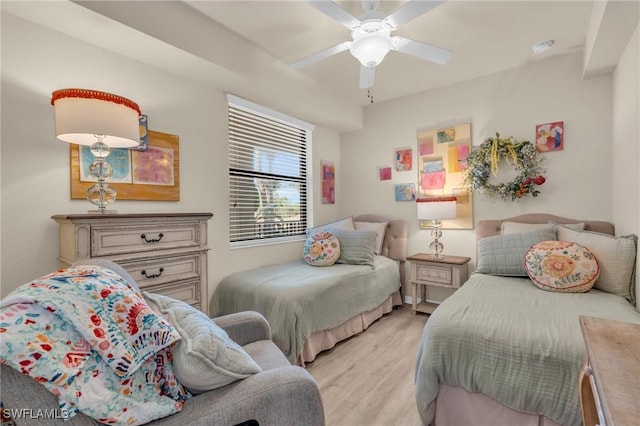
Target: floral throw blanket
91, 340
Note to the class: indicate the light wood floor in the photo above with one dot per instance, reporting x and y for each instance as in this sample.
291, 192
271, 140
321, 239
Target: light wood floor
368, 378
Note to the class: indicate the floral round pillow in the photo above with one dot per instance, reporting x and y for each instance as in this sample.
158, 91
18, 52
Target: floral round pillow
562, 266
321, 249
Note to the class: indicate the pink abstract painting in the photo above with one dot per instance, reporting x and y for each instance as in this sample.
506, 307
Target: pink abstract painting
384, 173
550, 136
433, 180
153, 166
458, 158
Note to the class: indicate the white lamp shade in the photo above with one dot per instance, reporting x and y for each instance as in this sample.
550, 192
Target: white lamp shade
371, 49
436, 208
80, 114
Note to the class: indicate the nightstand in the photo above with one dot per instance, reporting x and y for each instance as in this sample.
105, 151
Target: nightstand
447, 271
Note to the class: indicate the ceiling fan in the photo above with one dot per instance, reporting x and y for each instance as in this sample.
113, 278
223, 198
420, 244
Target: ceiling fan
371, 35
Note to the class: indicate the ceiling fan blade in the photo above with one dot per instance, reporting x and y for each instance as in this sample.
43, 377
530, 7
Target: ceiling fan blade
410, 10
421, 50
366, 76
335, 11
321, 55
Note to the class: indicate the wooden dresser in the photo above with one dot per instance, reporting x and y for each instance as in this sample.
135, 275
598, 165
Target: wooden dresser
164, 253
610, 380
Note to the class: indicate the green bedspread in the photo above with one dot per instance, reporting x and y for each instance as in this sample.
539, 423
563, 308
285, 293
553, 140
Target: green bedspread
513, 342
298, 299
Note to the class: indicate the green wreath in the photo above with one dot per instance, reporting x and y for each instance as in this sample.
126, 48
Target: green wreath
523, 156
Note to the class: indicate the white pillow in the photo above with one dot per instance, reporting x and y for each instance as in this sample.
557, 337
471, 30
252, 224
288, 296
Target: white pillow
380, 228
346, 224
522, 228
206, 358
616, 256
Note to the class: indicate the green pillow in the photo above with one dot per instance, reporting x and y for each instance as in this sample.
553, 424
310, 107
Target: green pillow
206, 358
356, 247
504, 254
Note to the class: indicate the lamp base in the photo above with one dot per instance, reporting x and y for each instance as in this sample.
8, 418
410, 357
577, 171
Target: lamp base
436, 246
105, 211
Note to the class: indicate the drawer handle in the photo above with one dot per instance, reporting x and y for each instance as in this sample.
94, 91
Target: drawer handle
160, 271
152, 240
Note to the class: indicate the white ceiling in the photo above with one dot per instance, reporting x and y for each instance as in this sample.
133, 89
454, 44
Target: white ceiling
246, 47
485, 36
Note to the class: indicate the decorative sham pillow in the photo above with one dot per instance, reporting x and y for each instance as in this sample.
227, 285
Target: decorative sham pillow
504, 254
562, 266
616, 256
519, 228
321, 249
346, 223
206, 358
356, 247
380, 228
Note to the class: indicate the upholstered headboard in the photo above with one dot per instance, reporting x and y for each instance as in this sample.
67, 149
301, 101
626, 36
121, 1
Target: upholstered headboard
395, 241
488, 228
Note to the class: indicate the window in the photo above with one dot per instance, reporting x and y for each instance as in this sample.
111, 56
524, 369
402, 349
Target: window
269, 190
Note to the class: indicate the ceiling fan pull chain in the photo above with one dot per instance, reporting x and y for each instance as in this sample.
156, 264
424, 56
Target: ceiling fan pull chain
370, 94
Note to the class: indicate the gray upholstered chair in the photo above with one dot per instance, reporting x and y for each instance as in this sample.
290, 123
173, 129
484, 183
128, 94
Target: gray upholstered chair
282, 394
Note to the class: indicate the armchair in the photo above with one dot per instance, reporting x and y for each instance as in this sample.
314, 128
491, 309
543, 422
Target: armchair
282, 394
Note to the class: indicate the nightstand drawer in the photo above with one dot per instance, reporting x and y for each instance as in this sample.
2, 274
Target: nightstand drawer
434, 274
112, 240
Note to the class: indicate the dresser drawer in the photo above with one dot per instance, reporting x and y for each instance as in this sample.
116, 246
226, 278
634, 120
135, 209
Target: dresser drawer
107, 241
188, 292
433, 273
164, 270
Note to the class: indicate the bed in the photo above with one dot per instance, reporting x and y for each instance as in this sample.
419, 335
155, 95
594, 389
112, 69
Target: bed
310, 309
501, 351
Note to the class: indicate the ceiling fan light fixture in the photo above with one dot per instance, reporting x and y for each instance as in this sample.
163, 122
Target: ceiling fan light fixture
371, 49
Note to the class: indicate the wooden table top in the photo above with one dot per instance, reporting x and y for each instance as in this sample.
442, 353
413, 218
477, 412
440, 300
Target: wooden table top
613, 348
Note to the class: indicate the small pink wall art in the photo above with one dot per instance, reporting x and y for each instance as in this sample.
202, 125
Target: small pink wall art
328, 182
384, 173
550, 136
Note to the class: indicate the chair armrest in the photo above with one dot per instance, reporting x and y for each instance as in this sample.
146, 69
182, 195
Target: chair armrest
281, 396
245, 327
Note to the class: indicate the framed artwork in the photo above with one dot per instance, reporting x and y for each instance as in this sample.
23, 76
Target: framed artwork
550, 136
384, 173
442, 155
403, 159
144, 134
328, 171
405, 192
151, 175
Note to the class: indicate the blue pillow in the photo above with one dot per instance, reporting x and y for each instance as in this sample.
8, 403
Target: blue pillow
356, 247
504, 254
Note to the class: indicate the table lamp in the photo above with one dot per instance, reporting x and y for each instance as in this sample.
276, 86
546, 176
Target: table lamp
436, 209
102, 121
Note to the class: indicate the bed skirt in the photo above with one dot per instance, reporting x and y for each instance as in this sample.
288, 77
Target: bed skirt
457, 406
327, 339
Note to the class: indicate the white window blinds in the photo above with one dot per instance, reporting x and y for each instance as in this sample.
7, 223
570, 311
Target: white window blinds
268, 188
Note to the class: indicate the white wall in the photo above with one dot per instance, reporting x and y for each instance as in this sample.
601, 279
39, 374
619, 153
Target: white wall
626, 138
626, 141
512, 103
35, 165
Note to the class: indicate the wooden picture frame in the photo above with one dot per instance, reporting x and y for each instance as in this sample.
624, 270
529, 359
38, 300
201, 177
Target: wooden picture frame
134, 191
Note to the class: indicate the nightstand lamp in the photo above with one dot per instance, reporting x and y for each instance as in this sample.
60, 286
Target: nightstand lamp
102, 121
436, 209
